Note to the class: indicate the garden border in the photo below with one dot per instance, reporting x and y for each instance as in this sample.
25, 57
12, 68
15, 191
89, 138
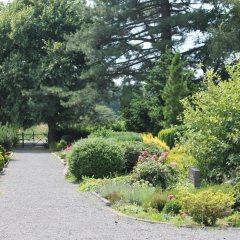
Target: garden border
108, 206
6, 164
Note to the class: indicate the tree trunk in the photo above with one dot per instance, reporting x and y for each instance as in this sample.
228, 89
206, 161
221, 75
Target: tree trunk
166, 29
52, 132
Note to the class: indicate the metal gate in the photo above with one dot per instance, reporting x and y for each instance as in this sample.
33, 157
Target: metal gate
32, 139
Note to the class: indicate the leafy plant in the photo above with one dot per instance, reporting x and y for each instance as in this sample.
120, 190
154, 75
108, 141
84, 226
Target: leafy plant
149, 138
133, 149
156, 172
173, 207
183, 160
171, 135
233, 220
8, 137
2, 162
236, 191
61, 145
212, 120
206, 206
158, 201
96, 157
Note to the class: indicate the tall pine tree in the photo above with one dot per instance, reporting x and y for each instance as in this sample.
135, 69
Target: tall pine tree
174, 90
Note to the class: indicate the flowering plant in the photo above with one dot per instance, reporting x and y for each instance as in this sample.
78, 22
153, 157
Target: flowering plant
146, 156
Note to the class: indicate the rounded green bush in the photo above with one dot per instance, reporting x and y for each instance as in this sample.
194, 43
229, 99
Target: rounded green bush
155, 172
95, 157
171, 135
173, 207
132, 151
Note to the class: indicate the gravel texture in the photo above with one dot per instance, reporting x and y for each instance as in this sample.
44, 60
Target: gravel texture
36, 203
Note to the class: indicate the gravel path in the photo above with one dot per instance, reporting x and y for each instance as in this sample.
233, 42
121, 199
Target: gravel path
36, 203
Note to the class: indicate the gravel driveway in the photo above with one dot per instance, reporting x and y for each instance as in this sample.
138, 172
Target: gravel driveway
36, 203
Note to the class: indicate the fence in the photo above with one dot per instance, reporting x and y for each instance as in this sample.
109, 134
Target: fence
32, 139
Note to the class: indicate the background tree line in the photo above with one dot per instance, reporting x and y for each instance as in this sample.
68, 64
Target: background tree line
59, 58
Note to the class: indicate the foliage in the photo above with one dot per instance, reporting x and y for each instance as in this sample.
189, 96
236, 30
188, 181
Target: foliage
236, 191
133, 149
175, 90
120, 32
102, 115
89, 184
149, 138
8, 137
139, 193
233, 220
74, 131
37, 72
171, 135
206, 206
3, 152
212, 120
183, 161
158, 202
156, 172
2, 162
173, 207
61, 145
117, 136
96, 157
142, 114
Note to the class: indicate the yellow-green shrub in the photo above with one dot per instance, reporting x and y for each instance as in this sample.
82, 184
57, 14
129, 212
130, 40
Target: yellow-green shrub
1, 162
149, 138
206, 206
183, 160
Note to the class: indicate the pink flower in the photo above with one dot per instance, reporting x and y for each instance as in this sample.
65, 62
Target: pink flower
164, 156
69, 148
140, 158
145, 153
171, 197
155, 157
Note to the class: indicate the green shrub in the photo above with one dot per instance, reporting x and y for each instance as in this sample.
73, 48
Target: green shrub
61, 145
132, 150
2, 162
179, 156
96, 157
173, 207
206, 206
233, 220
75, 132
158, 202
3, 153
236, 191
8, 137
156, 172
171, 135
212, 120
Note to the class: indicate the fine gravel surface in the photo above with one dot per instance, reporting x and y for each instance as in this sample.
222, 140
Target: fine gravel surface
36, 203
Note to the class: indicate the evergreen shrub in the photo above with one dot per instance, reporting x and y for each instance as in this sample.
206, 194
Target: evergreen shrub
95, 157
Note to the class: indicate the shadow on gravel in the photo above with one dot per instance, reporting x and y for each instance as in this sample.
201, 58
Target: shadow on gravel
31, 150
